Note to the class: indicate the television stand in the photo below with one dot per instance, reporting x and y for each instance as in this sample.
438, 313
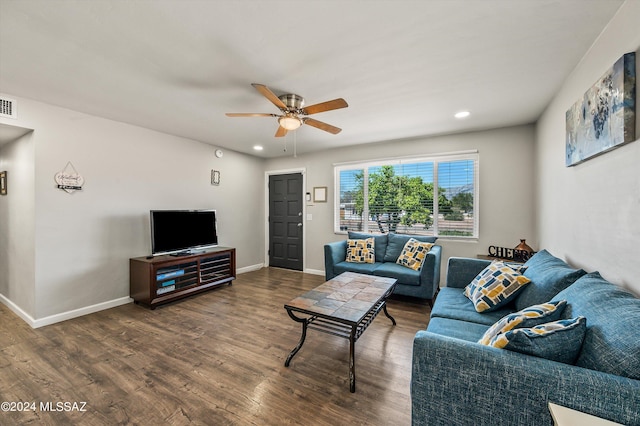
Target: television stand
163, 279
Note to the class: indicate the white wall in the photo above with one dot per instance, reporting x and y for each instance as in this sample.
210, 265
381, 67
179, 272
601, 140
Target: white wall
506, 187
588, 214
17, 220
83, 240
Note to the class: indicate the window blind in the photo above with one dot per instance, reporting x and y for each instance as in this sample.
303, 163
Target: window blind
423, 196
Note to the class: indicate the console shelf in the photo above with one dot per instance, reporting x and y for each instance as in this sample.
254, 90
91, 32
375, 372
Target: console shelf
163, 279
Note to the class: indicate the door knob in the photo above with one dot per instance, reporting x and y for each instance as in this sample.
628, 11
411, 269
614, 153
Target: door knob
299, 225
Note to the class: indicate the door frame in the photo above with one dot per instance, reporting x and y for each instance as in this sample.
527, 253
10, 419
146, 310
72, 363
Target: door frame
267, 174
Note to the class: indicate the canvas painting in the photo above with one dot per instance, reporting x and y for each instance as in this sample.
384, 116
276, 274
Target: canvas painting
605, 118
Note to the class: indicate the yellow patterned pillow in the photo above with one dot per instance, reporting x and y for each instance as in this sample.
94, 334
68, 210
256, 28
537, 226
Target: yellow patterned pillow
526, 318
413, 254
495, 286
558, 340
361, 251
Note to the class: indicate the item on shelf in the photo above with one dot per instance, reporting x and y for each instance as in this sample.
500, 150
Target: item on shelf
163, 274
167, 283
522, 252
517, 254
164, 290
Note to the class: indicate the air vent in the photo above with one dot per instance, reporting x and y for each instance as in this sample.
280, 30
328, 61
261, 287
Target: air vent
8, 108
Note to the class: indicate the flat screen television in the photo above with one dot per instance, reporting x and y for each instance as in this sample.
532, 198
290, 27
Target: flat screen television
182, 231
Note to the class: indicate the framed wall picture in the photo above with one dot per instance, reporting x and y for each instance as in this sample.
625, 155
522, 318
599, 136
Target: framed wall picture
215, 177
3, 183
320, 194
605, 117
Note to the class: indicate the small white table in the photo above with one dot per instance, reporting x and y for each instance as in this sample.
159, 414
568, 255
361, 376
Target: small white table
563, 416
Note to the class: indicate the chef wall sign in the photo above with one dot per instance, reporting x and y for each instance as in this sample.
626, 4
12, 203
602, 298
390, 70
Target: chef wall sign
69, 180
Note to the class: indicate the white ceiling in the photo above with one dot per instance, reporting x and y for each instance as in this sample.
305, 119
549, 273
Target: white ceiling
404, 67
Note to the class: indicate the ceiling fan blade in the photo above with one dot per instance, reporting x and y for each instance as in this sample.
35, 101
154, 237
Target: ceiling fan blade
325, 106
322, 126
264, 90
281, 132
249, 114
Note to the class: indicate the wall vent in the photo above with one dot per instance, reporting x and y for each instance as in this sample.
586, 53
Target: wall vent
8, 108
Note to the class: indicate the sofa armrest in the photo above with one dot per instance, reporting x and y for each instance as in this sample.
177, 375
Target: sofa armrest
462, 270
430, 272
334, 252
455, 382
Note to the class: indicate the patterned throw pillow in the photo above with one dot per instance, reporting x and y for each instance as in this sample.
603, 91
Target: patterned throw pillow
361, 251
413, 254
495, 286
526, 318
558, 340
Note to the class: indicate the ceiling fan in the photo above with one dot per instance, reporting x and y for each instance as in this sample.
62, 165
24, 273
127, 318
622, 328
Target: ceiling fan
294, 112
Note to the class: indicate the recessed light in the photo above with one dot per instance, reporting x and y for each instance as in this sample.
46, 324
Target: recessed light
257, 148
462, 114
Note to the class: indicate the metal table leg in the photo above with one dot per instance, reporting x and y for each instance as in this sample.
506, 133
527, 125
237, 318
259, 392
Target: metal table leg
305, 322
384, 308
352, 361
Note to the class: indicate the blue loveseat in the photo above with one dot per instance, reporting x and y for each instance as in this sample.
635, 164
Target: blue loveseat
422, 283
457, 381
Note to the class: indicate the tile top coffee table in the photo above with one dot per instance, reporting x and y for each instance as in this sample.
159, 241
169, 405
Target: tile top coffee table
343, 306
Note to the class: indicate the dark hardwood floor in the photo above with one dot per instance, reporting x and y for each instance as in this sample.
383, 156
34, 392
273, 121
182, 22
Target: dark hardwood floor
213, 359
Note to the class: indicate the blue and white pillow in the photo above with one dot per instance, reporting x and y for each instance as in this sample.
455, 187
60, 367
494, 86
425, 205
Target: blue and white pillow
526, 318
495, 286
558, 340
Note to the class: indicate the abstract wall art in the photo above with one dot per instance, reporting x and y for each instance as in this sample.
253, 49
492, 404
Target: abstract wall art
605, 117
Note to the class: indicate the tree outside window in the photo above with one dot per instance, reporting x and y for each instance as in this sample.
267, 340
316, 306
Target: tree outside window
400, 198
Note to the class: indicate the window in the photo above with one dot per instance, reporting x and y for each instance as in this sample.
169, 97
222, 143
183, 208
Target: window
423, 196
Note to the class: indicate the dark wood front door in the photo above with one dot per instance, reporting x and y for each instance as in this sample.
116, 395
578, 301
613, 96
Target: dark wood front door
285, 221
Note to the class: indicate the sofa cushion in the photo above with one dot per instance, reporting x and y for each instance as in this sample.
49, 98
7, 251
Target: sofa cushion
361, 268
380, 242
396, 243
558, 340
468, 331
452, 303
549, 275
361, 251
413, 254
402, 274
612, 341
495, 286
526, 318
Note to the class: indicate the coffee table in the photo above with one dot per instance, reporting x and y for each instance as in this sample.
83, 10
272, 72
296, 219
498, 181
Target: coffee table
343, 306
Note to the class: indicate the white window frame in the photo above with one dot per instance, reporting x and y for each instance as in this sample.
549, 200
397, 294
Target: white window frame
433, 158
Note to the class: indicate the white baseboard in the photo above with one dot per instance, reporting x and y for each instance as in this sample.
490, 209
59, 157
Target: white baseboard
63, 316
17, 310
250, 268
314, 271
263, 265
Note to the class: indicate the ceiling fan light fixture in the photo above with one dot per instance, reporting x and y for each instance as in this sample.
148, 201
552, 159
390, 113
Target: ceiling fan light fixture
289, 122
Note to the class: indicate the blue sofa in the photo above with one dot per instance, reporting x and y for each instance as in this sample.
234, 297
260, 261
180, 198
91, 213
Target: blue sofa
457, 381
422, 284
